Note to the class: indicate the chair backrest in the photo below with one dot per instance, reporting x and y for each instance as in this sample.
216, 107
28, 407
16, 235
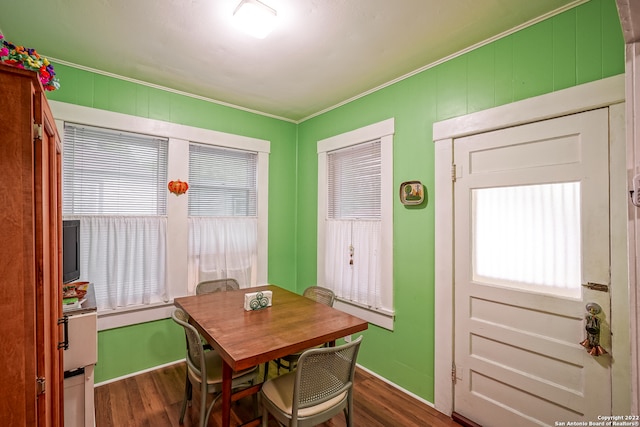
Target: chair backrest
210, 286
320, 294
324, 373
195, 351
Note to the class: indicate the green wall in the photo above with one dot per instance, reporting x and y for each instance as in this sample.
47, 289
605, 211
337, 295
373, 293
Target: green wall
130, 349
578, 46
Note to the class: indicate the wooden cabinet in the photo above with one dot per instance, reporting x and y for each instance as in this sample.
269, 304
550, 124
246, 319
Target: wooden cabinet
30, 255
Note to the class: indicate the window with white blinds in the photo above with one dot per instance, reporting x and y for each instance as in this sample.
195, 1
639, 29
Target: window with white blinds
355, 221
135, 235
223, 210
222, 182
354, 182
107, 172
114, 183
353, 239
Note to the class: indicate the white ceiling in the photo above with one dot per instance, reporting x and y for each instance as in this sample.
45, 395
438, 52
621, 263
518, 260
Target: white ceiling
322, 53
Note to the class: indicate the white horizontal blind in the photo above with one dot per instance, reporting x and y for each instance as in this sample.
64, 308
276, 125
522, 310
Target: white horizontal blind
354, 178
107, 172
222, 182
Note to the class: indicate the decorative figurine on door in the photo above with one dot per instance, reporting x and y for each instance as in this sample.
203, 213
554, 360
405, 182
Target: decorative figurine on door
592, 342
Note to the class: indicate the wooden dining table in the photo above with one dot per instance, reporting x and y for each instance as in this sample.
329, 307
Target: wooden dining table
245, 339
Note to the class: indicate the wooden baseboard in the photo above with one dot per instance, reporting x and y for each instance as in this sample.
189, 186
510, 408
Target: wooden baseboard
464, 420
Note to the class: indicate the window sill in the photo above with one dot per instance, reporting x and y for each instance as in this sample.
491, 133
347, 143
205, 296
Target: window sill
110, 319
379, 318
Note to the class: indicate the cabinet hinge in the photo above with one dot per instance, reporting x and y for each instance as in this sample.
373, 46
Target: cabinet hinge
453, 373
40, 385
37, 131
453, 172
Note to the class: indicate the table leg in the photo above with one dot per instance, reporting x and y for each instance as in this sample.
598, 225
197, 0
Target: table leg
227, 373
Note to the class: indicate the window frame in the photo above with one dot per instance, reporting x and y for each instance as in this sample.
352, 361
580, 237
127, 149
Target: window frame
383, 130
102, 180
177, 214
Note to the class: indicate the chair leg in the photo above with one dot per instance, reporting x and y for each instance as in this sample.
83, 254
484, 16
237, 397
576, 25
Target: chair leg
188, 390
348, 411
256, 403
203, 405
280, 364
213, 402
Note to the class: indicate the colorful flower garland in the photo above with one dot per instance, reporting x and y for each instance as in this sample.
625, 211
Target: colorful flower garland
28, 59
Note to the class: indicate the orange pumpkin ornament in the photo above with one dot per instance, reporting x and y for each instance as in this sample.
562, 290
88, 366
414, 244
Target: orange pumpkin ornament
178, 187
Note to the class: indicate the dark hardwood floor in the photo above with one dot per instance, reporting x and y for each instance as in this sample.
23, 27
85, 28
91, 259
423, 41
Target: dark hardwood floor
154, 399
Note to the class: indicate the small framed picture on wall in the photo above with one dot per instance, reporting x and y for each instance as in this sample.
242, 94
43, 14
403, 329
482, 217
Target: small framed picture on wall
411, 193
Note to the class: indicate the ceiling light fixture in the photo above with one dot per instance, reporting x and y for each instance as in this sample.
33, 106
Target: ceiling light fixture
255, 18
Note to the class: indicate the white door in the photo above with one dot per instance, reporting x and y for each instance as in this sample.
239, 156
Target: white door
531, 230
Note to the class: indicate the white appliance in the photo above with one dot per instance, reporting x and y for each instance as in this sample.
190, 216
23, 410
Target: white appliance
78, 361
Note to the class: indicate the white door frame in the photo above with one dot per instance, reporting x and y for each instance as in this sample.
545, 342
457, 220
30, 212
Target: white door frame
629, 11
633, 168
609, 92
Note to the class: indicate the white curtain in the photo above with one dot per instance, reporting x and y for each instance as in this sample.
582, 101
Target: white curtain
124, 258
528, 235
352, 264
222, 247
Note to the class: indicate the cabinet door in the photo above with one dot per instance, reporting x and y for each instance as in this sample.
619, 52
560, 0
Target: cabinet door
48, 272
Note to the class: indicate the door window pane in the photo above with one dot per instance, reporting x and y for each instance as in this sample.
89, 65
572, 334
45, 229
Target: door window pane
528, 237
